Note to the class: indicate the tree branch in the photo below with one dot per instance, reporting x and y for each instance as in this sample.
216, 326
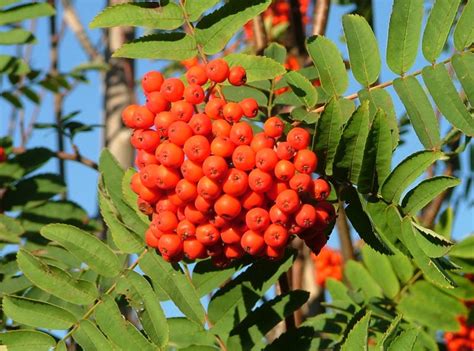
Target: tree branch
64, 156
72, 20
320, 17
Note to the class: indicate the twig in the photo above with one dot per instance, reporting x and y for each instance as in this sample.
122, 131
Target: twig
320, 17
64, 156
72, 20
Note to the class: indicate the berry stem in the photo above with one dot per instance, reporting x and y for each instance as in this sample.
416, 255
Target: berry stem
198, 46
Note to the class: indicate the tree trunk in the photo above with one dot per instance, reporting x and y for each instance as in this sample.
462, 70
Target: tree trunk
119, 92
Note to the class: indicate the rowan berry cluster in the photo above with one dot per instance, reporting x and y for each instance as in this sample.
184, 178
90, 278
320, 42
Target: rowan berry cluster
328, 264
3, 155
211, 185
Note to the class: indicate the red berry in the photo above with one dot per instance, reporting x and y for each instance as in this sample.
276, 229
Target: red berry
194, 94
196, 75
170, 245
152, 81
217, 70
172, 89
156, 102
237, 76
252, 242
249, 107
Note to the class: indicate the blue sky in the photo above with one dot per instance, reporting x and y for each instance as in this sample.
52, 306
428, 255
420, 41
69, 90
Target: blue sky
87, 98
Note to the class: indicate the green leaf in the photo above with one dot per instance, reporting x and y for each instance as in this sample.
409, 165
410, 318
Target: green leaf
119, 330
37, 313
63, 211
438, 26
24, 163
421, 195
360, 279
126, 240
237, 94
256, 67
12, 65
404, 34
31, 192
406, 173
389, 334
381, 270
405, 341
328, 133
16, 36
302, 88
464, 67
358, 337
86, 247
26, 340
112, 175
149, 15
361, 222
195, 8
387, 222
4, 3
363, 49
377, 159
419, 110
444, 225
129, 197
160, 46
303, 115
184, 333
157, 329
402, 267
464, 248
10, 229
174, 283
90, 337
350, 151
431, 307
232, 303
61, 346
464, 32
250, 333
26, 11
56, 281
302, 338
15, 284
464, 289
276, 51
431, 270
447, 99
328, 61
207, 277
215, 30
